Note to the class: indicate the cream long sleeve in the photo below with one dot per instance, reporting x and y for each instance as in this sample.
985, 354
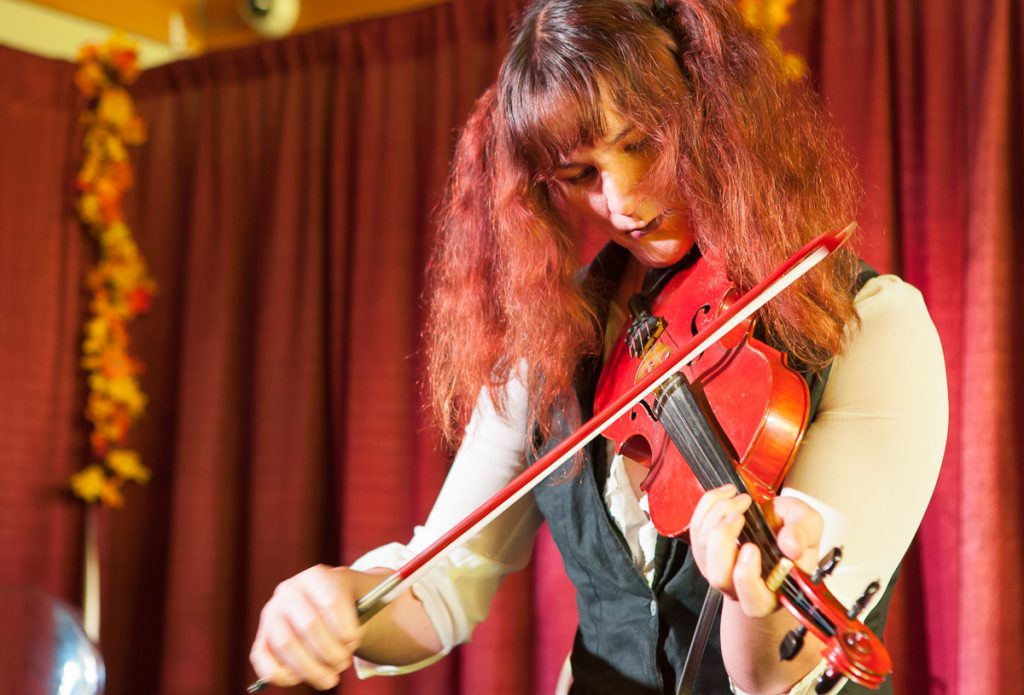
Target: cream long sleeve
868, 464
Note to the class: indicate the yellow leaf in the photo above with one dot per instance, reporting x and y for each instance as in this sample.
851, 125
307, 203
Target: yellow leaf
89, 482
126, 463
98, 383
89, 208
115, 234
125, 389
98, 408
116, 107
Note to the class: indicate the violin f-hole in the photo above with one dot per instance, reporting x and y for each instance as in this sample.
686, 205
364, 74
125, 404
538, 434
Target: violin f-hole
703, 310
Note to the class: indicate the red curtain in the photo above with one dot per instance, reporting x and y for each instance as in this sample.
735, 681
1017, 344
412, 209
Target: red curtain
284, 202
41, 266
929, 95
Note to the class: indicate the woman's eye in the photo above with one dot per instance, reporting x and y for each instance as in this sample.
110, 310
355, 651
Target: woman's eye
583, 175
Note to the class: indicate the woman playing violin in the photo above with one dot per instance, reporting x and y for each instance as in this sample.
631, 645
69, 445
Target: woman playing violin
665, 130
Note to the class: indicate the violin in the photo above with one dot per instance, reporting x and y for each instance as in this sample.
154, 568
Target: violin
759, 402
735, 414
851, 649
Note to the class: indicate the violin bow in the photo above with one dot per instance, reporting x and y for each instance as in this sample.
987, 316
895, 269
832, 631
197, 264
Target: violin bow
785, 275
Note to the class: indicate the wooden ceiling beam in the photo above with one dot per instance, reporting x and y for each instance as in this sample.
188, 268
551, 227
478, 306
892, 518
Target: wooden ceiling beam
218, 23
150, 18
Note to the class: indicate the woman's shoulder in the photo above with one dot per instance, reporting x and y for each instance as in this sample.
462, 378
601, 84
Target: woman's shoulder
889, 294
894, 348
891, 310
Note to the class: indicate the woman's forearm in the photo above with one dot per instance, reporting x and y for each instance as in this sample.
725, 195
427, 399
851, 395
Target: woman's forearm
750, 650
401, 633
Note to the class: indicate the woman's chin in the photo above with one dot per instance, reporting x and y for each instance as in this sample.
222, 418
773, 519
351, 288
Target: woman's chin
659, 253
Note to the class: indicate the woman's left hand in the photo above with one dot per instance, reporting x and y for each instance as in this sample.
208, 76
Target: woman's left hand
735, 570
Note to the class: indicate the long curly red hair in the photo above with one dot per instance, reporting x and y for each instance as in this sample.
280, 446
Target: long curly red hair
751, 154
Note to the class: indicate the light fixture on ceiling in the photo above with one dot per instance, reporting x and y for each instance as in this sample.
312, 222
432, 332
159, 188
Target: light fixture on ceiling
270, 18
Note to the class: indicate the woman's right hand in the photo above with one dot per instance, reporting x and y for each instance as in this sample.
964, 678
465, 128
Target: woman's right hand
309, 630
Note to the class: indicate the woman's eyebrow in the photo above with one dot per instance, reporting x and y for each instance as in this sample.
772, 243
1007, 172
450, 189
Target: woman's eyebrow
614, 140
626, 130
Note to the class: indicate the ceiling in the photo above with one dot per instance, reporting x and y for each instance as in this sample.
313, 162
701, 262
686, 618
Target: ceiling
205, 24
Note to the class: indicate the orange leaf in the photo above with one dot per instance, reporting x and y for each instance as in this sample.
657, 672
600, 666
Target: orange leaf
98, 443
139, 299
111, 493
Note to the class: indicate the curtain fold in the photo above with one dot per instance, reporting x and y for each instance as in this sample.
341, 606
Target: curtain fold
290, 242
989, 448
41, 264
284, 202
929, 96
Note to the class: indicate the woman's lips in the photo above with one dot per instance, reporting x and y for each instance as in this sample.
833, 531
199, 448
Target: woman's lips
641, 232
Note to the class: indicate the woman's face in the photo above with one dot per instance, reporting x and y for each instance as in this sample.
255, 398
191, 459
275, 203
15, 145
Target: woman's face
600, 191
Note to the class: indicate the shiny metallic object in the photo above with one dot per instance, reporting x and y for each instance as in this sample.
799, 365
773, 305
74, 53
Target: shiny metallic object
43, 648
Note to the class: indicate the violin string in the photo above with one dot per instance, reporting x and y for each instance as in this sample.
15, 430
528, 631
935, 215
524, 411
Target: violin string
702, 447
704, 451
715, 469
712, 466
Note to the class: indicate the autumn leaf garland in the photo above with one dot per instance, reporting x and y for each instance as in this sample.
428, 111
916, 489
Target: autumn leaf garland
120, 285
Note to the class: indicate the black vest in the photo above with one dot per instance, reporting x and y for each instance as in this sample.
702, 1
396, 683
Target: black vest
632, 637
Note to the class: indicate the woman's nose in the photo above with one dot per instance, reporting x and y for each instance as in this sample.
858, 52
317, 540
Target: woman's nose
620, 192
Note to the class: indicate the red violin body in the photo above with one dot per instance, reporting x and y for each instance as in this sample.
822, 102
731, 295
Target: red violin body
760, 404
